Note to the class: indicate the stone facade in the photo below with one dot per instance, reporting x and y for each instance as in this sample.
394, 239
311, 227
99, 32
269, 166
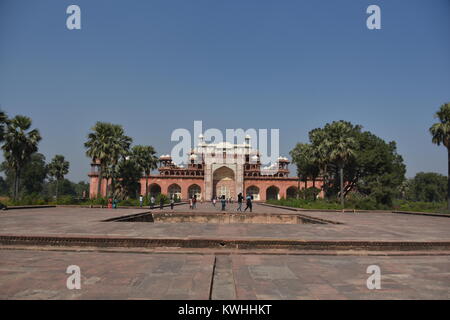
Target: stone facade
215, 170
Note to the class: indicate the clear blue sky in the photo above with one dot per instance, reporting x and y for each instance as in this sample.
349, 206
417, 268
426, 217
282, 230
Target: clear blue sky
154, 66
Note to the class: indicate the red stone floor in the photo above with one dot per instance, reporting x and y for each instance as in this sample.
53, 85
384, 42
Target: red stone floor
40, 273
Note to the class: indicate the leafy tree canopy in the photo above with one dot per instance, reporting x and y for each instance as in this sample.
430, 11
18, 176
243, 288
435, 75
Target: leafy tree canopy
427, 187
372, 167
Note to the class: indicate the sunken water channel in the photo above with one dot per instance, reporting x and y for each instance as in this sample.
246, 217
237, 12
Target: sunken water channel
218, 218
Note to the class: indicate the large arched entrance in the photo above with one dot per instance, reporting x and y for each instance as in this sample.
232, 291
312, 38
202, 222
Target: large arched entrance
195, 190
252, 191
291, 192
174, 190
223, 183
155, 189
272, 193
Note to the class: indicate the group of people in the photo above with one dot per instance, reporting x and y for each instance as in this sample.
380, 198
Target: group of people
240, 200
153, 202
193, 202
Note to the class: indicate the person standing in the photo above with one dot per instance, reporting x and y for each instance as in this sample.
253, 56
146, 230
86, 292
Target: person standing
161, 203
249, 203
224, 202
190, 203
152, 202
240, 198
141, 201
172, 202
194, 202
213, 200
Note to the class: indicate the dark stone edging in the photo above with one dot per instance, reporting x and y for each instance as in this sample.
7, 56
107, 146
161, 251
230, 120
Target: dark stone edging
324, 210
98, 206
301, 215
143, 215
431, 214
30, 207
222, 243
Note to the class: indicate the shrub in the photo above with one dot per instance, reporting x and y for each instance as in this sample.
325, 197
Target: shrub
163, 196
129, 202
64, 200
98, 201
309, 193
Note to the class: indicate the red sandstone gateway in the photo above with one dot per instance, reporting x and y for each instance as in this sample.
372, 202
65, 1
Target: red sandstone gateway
216, 170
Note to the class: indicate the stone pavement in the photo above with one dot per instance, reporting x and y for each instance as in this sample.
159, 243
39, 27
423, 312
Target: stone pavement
32, 274
35, 272
338, 277
367, 226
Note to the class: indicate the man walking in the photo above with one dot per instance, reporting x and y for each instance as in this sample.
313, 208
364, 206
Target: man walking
152, 202
141, 200
240, 198
249, 203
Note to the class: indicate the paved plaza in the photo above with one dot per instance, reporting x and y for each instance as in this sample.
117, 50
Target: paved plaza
36, 271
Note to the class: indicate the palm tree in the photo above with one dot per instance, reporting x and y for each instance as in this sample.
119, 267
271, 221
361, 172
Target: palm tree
119, 145
339, 145
145, 158
58, 168
106, 145
20, 144
3, 123
97, 149
319, 156
107, 176
441, 135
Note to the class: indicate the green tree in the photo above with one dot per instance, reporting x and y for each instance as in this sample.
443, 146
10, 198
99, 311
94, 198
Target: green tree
333, 147
3, 125
307, 165
3, 187
20, 144
67, 188
33, 175
440, 132
97, 149
427, 187
119, 146
130, 174
300, 156
319, 154
352, 160
82, 189
57, 169
339, 146
377, 170
145, 158
106, 145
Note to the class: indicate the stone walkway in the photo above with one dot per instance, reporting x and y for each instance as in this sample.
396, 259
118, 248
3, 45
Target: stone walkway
133, 273
34, 274
360, 226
